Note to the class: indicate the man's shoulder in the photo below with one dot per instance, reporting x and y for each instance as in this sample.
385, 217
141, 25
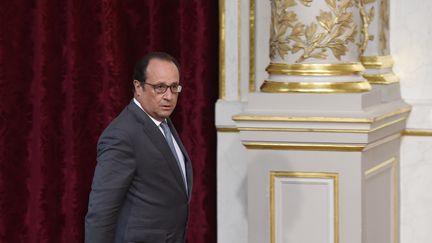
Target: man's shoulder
125, 121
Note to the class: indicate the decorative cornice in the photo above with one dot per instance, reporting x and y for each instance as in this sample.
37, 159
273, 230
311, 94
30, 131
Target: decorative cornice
320, 146
320, 119
406, 132
315, 87
325, 130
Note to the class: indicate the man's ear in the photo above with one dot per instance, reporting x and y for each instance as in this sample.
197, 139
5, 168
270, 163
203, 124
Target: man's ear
136, 84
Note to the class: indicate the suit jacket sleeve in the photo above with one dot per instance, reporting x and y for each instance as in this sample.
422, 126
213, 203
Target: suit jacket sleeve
113, 174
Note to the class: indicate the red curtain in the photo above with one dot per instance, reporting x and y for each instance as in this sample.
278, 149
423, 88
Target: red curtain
65, 73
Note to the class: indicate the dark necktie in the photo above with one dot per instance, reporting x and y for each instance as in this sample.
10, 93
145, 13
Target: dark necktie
168, 138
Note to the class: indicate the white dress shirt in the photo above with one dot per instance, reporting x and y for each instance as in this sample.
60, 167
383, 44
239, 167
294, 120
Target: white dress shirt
176, 146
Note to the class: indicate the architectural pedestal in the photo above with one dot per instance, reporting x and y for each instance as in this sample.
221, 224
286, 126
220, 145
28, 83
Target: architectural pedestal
327, 175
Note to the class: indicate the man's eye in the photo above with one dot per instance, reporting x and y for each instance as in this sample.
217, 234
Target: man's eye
160, 87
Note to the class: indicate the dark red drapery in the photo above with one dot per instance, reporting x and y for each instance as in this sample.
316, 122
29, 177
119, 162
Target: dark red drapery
65, 72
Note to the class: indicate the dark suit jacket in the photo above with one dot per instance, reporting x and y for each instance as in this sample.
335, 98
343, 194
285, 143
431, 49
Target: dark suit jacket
138, 193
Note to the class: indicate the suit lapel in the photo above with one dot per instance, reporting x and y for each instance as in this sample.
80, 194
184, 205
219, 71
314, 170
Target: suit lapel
159, 142
188, 164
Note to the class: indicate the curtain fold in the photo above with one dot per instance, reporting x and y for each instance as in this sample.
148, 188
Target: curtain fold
65, 73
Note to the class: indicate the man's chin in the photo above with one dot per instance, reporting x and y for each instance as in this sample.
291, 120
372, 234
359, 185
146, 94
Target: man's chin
165, 114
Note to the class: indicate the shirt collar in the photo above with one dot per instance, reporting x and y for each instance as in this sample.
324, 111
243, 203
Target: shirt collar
139, 105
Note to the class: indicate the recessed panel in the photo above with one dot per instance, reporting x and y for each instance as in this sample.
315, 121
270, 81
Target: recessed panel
303, 207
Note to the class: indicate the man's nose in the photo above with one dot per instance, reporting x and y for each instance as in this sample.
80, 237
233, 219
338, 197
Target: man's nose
168, 94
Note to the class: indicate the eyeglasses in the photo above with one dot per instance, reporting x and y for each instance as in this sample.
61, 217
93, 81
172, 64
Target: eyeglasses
162, 88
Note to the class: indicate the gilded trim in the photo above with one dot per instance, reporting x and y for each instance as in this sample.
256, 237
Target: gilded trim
315, 87
387, 78
222, 77
320, 119
394, 113
377, 62
301, 119
335, 69
382, 141
379, 167
320, 146
417, 132
251, 45
284, 129
313, 175
304, 146
227, 129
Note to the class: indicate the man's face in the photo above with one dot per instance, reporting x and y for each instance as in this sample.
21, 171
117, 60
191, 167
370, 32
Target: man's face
159, 106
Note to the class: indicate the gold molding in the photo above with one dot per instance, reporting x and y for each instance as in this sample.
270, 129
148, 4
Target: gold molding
301, 119
252, 46
329, 69
320, 119
315, 87
382, 141
222, 77
390, 114
320, 146
386, 78
417, 132
378, 167
304, 146
227, 129
377, 62
406, 132
284, 129
315, 175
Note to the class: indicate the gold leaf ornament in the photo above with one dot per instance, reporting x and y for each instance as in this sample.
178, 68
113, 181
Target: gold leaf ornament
346, 4
332, 30
325, 20
338, 48
331, 4
310, 31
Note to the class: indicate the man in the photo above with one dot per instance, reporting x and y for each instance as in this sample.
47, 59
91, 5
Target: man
143, 179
